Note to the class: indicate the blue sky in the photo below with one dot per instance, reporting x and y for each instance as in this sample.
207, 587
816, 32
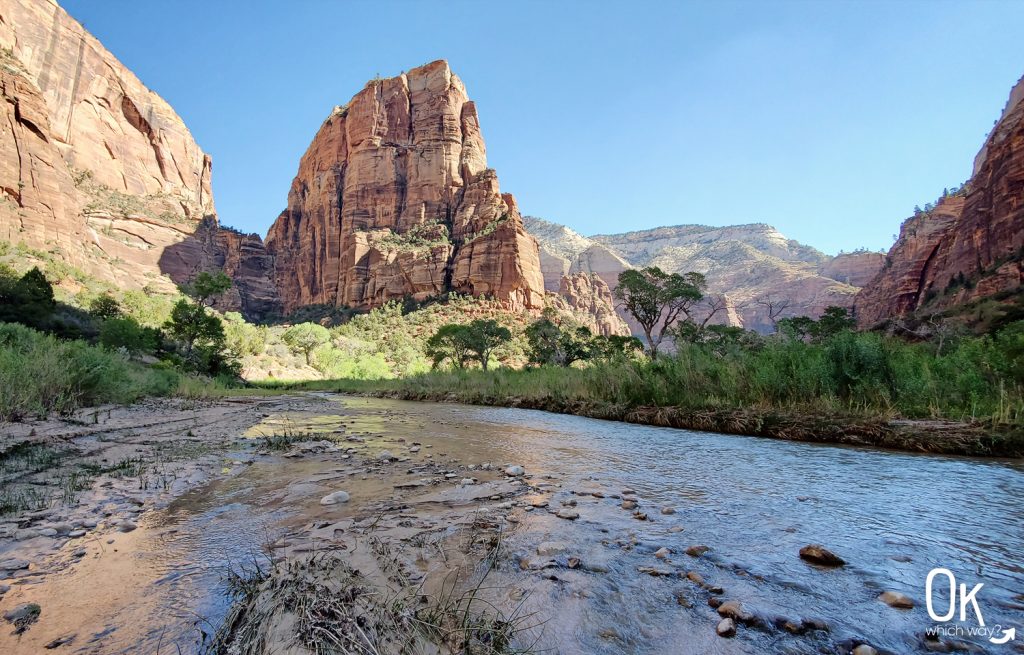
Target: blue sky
829, 120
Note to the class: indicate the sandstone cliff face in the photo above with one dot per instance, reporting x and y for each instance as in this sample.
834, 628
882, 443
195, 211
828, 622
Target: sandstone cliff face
100, 169
589, 297
745, 263
854, 268
394, 198
967, 247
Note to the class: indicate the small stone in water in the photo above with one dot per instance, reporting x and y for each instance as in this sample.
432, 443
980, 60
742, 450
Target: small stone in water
569, 514
662, 553
726, 628
818, 554
864, 649
335, 498
896, 599
668, 510
697, 551
515, 471
628, 504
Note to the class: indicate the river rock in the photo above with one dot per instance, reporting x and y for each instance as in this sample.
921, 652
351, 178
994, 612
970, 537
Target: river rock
23, 615
515, 471
629, 504
74, 534
675, 528
60, 641
864, 649
662, 553
335, 498
668, 510
13, 564
695, 578
818, 554
733, 609
726, 628
697, 551
896, 599
414, 449
48, 532
551, 548
386, 456
568, 514
126, 526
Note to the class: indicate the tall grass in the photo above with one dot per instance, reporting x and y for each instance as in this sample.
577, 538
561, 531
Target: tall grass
859, 374
40, 374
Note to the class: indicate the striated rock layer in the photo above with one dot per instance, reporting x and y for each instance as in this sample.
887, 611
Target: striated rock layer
970, 245
747, 264
95, 166
587, 296
393, 198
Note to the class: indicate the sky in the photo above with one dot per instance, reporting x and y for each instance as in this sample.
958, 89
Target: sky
830, 120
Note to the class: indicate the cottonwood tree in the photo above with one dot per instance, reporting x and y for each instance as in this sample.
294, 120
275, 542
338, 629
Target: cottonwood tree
460, 344
657, 300
557, 345
305, 338
450, 343
191, 325
484, 337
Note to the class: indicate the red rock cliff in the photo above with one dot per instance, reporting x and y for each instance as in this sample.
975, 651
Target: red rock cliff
967, 247
394, 198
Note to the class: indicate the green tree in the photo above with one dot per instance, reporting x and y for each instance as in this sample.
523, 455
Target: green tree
450, 342
207, 286
657, 300
797, 328
243, 338
105, 306
305, 338
191, 325
128, 334
615, 345
483, 337
556, 345
833, 321
27, 300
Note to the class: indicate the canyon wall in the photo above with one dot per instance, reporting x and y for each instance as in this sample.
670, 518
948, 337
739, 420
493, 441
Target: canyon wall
970, 245
96, 168
747, 264
393, 198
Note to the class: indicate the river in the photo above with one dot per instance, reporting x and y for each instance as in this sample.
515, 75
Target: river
753, 502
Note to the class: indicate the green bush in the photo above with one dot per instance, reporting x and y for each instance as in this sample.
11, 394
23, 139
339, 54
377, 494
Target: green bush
126, 333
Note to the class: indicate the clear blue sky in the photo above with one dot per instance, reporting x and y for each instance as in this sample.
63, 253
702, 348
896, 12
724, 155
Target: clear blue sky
829, 120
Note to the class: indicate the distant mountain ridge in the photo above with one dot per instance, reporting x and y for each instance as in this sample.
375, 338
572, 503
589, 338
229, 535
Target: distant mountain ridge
747, 263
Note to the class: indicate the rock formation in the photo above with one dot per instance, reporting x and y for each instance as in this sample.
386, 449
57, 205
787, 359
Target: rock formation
853, 268
588, 297
96, 167
393, 198
745, 263
970, 245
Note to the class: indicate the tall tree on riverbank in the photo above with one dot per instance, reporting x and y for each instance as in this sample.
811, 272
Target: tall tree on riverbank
658, 300
476, 340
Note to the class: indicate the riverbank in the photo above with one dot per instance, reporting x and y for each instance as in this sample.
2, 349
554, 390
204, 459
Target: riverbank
808, 424
90, 511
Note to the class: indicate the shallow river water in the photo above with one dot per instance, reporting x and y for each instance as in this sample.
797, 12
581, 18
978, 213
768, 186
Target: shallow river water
753, 502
